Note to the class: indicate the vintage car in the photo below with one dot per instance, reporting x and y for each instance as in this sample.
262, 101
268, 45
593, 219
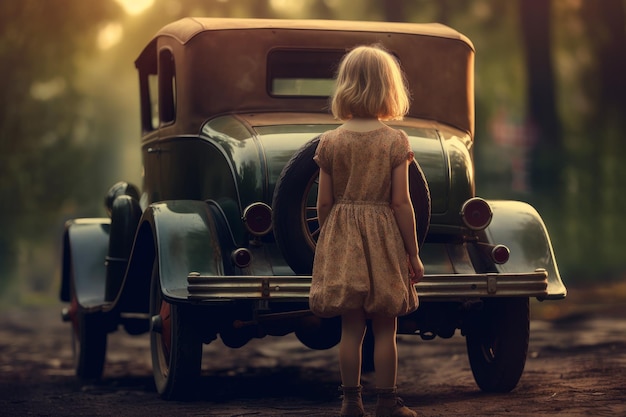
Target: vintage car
219, 241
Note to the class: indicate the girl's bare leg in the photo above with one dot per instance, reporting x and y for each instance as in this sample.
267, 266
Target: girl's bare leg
352, 332
385, 351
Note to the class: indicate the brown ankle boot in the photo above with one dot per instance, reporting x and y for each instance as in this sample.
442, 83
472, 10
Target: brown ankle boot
352, 404
390, 405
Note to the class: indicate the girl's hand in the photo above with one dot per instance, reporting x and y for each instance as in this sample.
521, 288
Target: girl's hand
416, 269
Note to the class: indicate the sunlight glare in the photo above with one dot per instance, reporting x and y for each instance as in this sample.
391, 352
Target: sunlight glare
287, 6
46, 90
110, 35
135, 7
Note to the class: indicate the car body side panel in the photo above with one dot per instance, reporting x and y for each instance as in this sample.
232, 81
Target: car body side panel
461, 180
258, 146
85, 245
519, 226
226, 171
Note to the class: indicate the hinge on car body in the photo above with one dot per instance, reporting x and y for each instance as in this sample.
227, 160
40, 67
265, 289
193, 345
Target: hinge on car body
265, 287
262, 305
492, 284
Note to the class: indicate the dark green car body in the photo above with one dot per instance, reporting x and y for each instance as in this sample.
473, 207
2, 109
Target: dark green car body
219, 240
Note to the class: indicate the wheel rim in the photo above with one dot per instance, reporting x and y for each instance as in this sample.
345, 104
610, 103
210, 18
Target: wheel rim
164, 338
166, 335
488, 344
489, 349
310, 219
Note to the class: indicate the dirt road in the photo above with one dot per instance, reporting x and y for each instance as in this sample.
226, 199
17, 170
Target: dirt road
576, 367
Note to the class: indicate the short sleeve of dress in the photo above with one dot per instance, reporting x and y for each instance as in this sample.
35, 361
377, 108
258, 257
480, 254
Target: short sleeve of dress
402, 149
322, 155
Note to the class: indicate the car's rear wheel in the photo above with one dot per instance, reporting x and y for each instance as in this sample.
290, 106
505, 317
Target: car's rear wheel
295, 220
497, 344
89, 343
175, 345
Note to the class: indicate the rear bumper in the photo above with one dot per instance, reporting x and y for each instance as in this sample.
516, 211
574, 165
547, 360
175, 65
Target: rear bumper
432, 287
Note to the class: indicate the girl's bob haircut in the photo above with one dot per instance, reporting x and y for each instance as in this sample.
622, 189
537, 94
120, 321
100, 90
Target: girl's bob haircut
370, 84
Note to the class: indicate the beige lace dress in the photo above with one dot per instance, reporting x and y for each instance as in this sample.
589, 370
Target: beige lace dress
360, 260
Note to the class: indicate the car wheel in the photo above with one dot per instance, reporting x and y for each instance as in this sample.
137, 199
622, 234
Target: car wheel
319, 334
89, 339
175, 346
89, 343
497, 345
295, 222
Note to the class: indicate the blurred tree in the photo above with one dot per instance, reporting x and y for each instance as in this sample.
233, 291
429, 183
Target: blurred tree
606, 30
536, 25
601, 152
395, 10
41, 154
319, 9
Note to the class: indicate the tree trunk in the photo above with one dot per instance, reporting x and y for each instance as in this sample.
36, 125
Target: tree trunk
535, 19
541, 101
606, 31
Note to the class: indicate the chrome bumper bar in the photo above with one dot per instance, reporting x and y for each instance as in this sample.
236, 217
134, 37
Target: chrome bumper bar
296, 287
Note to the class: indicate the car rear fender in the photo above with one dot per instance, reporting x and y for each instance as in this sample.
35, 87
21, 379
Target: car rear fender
183, 237
85, 245
519, 226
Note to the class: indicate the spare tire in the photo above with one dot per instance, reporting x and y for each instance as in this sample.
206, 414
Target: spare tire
294, 212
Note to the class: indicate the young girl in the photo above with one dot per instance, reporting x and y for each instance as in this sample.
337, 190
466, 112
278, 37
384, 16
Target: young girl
368, 225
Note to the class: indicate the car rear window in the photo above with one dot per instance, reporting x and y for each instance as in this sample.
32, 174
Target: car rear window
302, 73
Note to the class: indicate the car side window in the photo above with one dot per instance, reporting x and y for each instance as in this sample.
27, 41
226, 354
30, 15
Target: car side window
166, 87
153, 97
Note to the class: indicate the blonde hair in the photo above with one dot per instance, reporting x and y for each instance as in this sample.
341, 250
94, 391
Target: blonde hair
370, 83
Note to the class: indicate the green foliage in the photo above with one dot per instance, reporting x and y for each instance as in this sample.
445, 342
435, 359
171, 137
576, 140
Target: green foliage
39, 111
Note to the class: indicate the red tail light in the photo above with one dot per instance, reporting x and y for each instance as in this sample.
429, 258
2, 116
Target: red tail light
257, 218
500, 254
241, 257
476, 213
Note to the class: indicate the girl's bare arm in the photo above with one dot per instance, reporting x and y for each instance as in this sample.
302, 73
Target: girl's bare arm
403, 208
405, 216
